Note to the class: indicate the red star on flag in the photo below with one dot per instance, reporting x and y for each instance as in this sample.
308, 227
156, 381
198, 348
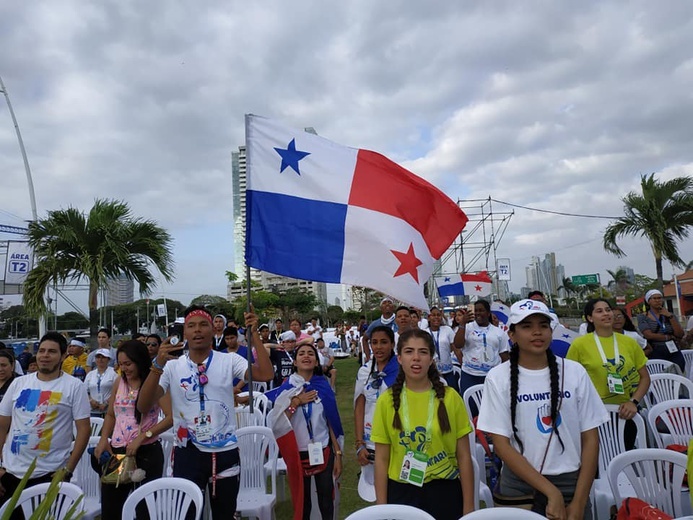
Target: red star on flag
477, 288
408, 263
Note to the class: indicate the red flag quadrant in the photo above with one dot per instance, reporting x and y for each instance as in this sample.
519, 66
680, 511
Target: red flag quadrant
320, 211
471, 284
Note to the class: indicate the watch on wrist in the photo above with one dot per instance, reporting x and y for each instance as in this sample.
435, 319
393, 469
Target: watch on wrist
149, 434
636, 403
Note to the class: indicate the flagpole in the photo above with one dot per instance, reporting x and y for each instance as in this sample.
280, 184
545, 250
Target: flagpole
678, 297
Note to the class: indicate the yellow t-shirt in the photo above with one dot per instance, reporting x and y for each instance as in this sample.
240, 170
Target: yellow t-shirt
71, 362
584, 351
442, 462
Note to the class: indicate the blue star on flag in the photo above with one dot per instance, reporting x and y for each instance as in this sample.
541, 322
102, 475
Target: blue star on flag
447, 278
290, 156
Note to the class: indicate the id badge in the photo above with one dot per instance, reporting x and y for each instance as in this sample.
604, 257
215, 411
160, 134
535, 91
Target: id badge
203, 432
615, 383
414, 467
315, 454
671, 346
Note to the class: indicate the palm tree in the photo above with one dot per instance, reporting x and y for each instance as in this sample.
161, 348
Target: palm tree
620, 282
71, 246
663, 214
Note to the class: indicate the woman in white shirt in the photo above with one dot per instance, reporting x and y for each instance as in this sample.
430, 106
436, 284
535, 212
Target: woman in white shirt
99, 382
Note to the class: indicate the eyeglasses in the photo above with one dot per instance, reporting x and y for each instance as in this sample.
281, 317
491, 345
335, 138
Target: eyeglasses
201, 376
152, 344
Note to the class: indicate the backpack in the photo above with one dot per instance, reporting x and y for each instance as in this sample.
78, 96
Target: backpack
635, 509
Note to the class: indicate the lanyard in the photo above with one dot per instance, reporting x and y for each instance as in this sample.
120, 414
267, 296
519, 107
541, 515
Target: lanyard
483, 337
436, 340
98, 383
307, 412
405, 413
601, 350
201, 388
660, 321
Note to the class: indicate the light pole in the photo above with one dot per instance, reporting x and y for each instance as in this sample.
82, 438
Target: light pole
30, 182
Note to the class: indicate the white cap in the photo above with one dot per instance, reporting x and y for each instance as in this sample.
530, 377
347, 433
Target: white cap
287, 336
524, 308
366, 486
103, 352
77, 343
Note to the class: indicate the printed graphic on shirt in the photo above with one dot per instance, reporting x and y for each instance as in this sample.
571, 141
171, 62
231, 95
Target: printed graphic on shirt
544, 419
439, 465
216, 418
32, 400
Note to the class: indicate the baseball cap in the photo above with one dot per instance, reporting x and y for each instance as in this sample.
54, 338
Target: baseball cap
287, 336
524, 308
366, 487
263, 326
103, 352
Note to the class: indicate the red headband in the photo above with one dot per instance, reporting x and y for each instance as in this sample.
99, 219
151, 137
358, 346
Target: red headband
199, 312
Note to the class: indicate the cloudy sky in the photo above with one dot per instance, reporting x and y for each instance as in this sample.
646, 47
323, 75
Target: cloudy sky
551, 105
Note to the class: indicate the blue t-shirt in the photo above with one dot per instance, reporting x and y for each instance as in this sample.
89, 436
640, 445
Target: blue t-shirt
377, 323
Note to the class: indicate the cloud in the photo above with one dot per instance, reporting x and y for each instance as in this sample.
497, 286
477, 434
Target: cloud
553, 106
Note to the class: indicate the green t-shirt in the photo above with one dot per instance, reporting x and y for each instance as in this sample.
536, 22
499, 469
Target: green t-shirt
584, 351
442, 462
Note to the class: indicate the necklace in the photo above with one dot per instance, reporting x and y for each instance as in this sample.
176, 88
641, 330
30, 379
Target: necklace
132, 392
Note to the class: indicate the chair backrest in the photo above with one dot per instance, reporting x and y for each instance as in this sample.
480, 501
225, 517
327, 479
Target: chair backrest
259, 387
166, 439
167, 498
612, 438
666, 387
473, 394
688, 358
96, 425
501, 513
257, 446
659, 366
391, 512
31, 497
85, 477
245, 418
677, 416
655, 474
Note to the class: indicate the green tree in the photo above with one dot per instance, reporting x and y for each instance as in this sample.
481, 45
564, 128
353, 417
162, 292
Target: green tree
105, 243
231, 276
662, 214
619, 281
334, 313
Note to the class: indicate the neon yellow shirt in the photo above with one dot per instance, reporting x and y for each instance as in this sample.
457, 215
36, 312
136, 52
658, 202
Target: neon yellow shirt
585, 351
71, 362
442, 462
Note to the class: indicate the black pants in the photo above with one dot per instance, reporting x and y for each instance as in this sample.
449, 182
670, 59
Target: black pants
662, 352
11, 482
193, 464
442, 499
150, 458
324, 489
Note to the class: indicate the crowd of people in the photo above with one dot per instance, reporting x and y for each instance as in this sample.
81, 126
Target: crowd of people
411, 425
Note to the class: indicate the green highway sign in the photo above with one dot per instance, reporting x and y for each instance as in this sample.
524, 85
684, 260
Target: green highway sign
585, 279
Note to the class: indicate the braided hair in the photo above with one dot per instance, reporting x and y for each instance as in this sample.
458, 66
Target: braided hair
433, 376
514, 388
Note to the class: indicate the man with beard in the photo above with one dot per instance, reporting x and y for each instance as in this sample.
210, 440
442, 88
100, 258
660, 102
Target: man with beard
37, 416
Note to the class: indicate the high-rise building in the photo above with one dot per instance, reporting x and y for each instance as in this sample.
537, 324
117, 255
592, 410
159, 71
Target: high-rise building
267, 281
544, 274
120, 290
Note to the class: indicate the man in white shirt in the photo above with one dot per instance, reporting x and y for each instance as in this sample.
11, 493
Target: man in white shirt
482, 346
201, 387
314, 329
444, 341
37, 416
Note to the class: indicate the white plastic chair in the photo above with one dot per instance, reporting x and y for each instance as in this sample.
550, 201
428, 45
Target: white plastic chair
256, 447
259, 387
31, 497
661, 366
166, 439
95, 423
656, 477
502, 513
244, 418
612, 443
88, 480
391, 512
261, 404
677, 416
473, 394
167, 498
666, 387
481, 489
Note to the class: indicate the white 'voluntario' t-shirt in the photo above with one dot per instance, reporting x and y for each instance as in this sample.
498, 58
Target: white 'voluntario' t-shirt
443, 338
43, 413
581, 410
482, 348
181, 377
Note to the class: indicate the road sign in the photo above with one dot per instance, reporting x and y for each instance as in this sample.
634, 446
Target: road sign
503, 268
585, 279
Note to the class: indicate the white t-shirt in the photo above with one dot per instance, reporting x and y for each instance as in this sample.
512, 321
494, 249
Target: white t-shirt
299, 423
443, 339
581, 410
43, 413
326, 354
315, 331
582, 329
637, 337
364, 386
482, 348
181, 377
99, 387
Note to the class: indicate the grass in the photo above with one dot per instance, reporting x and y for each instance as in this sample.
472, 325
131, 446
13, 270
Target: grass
349, 500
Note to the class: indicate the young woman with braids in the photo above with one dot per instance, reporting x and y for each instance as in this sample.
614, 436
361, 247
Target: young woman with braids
420, 428
542, 414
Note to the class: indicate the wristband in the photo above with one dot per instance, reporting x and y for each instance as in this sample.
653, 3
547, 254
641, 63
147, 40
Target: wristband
155, 370
360, 449
291, 410
156, 364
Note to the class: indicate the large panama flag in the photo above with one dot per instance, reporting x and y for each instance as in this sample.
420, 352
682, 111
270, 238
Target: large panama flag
320, 211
